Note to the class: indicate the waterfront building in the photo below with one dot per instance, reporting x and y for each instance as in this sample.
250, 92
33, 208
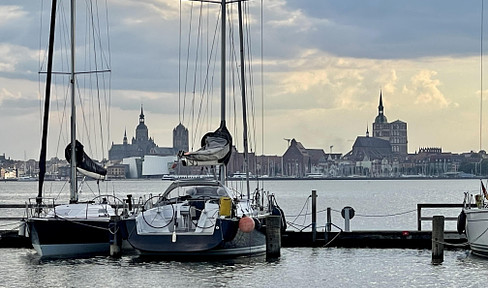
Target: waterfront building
300, 162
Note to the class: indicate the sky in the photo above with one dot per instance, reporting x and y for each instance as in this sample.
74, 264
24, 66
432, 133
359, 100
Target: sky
324, 64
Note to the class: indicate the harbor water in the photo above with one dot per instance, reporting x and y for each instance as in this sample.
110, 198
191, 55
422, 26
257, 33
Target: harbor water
378, 205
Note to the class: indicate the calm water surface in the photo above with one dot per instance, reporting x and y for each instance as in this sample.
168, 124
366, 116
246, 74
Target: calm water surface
385, 205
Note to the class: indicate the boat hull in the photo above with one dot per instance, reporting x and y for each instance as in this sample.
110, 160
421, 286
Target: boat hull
226, 241
477, 230
55, 237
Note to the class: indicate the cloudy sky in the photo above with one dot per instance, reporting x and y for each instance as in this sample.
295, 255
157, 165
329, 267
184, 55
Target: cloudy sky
324, 63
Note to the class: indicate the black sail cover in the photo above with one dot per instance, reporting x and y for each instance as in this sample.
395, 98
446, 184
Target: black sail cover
215, 149
84, 163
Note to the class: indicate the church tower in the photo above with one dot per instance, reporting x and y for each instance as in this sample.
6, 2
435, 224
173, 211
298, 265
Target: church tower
180, 138
381, 128
141, 130
395, 132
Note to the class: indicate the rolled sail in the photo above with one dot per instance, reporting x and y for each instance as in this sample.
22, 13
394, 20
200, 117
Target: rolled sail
85, 164
215, 149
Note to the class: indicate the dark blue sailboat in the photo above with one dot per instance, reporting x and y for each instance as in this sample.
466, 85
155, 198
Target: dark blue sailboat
204, 218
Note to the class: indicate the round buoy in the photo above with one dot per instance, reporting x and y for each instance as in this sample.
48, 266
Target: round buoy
246, 224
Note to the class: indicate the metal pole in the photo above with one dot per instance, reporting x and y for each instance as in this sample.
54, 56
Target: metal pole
347, 219
74, 185
314, 216
222, 67
244, 108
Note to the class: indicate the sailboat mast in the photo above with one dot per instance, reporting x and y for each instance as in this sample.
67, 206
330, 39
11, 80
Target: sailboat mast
222, 168
74, 185
42, 157
222, 67
244, 108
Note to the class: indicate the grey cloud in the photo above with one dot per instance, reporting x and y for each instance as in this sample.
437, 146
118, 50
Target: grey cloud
394, 29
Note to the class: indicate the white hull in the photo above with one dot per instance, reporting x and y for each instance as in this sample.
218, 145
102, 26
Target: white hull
477, 230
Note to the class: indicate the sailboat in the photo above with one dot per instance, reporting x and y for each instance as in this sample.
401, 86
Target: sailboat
76, 228
473, 219
202, 218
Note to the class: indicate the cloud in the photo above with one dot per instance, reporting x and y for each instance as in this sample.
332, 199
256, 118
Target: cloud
14, 56
10, 14
426, 89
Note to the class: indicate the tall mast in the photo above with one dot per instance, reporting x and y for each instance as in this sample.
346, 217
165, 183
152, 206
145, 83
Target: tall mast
222, 168
42, 157
222, 67
74, 186
244, 108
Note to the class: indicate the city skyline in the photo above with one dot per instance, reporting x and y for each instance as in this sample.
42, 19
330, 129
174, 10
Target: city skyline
324, 65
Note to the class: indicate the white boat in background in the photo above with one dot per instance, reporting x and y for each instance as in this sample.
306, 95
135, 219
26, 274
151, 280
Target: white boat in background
473, 221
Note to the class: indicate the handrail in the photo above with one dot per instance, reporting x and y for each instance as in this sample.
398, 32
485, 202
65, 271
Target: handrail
434, 205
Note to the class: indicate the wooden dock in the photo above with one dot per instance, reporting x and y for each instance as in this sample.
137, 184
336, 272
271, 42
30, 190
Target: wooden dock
355, 239
371, 239
352, 239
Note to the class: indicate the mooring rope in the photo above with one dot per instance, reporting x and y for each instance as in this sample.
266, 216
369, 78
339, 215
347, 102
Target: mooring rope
452, 244
359, 215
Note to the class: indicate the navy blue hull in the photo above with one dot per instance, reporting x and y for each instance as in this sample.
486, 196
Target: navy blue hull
228, 240
57, 237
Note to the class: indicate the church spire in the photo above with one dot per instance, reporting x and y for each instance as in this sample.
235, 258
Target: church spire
141, 116
380, 107
367, 131
125, 137
381, 118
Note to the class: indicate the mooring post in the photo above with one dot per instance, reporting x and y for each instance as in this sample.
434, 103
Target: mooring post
347, 213
273, 236
347, 221
115, 242
437, 239
314, 216
328, 225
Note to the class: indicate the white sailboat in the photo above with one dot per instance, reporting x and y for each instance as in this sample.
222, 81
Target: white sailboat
204, 218
75, 228
473, 219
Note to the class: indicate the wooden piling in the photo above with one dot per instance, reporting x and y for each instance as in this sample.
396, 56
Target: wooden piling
328, 225
314, 216
437, 240
273, 236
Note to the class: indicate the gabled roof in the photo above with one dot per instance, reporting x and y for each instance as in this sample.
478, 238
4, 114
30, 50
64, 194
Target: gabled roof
397, 121
317, 155
371, 148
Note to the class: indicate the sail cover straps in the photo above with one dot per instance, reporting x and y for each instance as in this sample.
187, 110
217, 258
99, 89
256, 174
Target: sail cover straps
84, 163
215, 149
